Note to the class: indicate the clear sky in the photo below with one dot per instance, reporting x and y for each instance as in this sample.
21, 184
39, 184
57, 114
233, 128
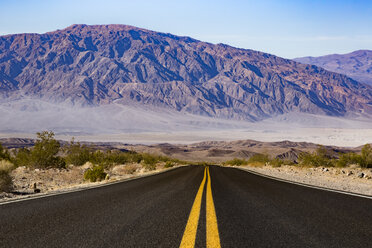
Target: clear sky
288, 28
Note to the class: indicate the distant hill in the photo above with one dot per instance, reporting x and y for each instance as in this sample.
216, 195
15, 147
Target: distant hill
357, 65
103, 64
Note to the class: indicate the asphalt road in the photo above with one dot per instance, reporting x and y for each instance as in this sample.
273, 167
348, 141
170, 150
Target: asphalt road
233, 208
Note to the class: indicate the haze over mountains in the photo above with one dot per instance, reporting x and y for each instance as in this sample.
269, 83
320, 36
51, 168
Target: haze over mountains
357, 64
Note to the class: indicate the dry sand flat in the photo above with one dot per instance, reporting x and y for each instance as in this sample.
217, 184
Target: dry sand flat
346, 137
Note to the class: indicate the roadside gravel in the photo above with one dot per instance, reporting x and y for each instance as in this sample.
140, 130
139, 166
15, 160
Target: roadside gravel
351, 179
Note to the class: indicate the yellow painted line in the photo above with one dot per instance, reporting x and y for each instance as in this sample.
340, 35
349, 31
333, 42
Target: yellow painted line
189, 235
213, 237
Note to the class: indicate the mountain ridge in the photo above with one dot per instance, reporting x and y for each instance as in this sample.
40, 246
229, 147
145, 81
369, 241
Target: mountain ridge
357, 64
101, 64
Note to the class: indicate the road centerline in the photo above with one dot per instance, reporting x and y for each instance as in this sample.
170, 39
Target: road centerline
189, 235
213, 237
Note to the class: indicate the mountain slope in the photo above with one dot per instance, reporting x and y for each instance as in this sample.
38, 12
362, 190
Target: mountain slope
95, 65
357, 65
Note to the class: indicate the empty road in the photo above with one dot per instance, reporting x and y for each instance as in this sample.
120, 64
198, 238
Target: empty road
191, 206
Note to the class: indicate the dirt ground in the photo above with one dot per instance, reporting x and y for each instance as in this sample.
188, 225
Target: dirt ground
48, 181
351, 179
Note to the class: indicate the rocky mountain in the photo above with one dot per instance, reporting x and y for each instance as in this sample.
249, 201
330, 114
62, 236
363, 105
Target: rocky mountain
102, 64
357, 65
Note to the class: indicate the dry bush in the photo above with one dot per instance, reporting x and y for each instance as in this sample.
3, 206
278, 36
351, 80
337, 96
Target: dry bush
130, 169
6, 165
6, 183
256, 164
127, 169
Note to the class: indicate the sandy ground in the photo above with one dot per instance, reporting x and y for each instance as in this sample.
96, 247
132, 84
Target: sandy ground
350, 179
52, 181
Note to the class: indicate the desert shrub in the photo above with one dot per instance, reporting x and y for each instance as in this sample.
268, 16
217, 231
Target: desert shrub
366, 156
44, 153
6, 165
149, 161
203, 163
318, 158
6, 183
259, 158
97, 173
169, 164
111, 158
4, 153
348, 159
98, 157
77, 154
22, 157
276, 162
364, 159
235, 162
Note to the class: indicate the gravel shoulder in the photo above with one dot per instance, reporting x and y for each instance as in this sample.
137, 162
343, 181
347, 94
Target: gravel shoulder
55, 181
351, 179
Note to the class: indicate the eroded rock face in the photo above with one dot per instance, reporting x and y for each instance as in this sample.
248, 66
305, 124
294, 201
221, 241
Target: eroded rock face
88, 65
357, 64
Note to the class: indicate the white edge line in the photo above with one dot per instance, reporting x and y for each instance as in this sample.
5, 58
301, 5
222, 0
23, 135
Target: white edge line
304, 184
33, 197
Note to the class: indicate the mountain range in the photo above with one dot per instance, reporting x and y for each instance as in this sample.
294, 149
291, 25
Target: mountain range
357, 64
95, 65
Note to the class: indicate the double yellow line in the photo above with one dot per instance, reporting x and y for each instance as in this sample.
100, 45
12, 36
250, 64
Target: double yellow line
189, 235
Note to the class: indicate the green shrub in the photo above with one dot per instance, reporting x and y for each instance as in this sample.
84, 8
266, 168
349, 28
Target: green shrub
363, 160
276, 162
348, 159
97, 173
111, 158
77, 154
203, 163
22, 157
149, 161
44, 153
259, 158
6, 183
235, 162
168, 164
318, 158
366, 156
4, 153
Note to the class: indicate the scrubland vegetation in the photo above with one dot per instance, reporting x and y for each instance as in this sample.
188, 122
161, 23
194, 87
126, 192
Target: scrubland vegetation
48, 153
98, 164
258, 160
320, 157
6, 166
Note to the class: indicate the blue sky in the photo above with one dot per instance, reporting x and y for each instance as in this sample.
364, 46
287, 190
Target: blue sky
288, 28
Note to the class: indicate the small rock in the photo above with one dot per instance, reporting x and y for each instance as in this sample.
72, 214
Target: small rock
36, 190
37, 170
350, 173
361, 175
325, 169
343, 172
